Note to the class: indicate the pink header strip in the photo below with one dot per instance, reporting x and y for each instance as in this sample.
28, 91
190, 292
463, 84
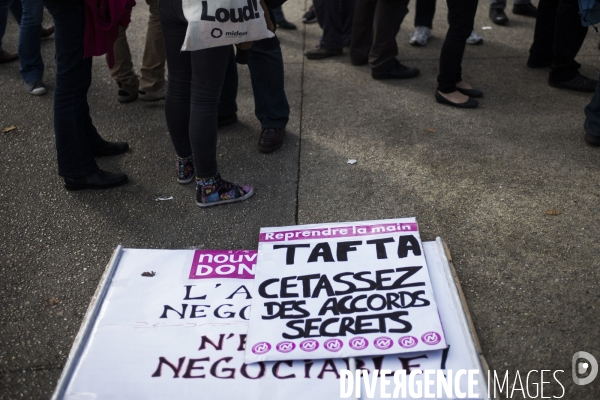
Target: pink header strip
336, 232
236, 264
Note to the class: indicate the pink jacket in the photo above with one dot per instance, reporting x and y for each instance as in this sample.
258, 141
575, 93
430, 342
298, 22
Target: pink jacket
102, 21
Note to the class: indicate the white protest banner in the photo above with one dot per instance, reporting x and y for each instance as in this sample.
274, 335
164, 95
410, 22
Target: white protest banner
173, 324
221, 22
343, 290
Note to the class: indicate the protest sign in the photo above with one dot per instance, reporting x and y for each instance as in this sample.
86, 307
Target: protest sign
173, 323
343, 290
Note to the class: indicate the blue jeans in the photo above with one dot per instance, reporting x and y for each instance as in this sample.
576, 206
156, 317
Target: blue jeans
15, 9
30, 56
592, 114
73, 128
266, 73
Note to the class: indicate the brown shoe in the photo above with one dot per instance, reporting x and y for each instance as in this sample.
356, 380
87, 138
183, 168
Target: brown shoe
270, 139
47, 32
6, 57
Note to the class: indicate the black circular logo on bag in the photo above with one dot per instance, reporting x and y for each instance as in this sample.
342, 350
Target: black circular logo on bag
216, 33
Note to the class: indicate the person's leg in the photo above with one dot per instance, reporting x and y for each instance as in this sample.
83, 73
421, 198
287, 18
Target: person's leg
4, 8
30, 56
424, 13
267, 75
389, 15
592, 119
330, 16
153, 64
461, 17
16, 9
73, 78
279, 16
347, 21
498, 4
227, 103
362, 32
541, 51
122, 72
569, 35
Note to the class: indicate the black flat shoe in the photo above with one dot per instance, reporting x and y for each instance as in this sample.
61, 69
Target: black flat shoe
498, 16
226, 120
109, 149
98, 180
471, 92
471, 103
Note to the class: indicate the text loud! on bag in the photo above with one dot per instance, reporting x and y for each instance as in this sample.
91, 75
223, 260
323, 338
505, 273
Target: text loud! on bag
223, 22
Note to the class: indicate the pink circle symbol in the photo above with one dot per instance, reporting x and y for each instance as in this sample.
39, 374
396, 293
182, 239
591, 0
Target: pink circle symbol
309, 345
408, 341
358, 343
285, 347
333, 345
431, 338
383, 343
261, 348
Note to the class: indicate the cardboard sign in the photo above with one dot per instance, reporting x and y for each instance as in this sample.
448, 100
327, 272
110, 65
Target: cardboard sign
343, 290
157, 331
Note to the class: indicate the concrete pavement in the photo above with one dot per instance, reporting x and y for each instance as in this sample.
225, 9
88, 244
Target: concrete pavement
481, 179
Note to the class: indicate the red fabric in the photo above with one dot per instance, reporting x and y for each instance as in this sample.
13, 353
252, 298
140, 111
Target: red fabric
102, 21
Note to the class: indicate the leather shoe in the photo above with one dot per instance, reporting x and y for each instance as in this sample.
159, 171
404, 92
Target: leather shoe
226, 120
528, 10
399, 71
98, 180
498, 16
47, 32
592, 140
6, 57
270, 139
579, 83
285, 24
105, 149
320, 52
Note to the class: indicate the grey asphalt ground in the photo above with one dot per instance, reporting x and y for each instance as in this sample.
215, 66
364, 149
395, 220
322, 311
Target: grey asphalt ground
480, 179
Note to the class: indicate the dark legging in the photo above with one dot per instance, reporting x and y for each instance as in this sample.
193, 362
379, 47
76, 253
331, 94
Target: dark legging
461, 17
424, 12
193, 90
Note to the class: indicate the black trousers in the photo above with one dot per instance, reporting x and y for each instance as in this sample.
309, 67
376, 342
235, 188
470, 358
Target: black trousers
424, 12
376, 24
558, 37
461, 17
335, 18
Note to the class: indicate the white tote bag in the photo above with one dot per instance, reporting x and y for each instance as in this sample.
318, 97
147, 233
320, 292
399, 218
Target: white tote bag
213, 23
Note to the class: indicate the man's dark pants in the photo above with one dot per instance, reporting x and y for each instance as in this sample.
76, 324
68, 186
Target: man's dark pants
376, 24
266, 72
73, 128
335, 18
558, 37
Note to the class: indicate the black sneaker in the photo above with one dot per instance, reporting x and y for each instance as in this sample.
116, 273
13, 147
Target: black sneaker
498, 16
579, 83
310, 16
399, 71
36, 88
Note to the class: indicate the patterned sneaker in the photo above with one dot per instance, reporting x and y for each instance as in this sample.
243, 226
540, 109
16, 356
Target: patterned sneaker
185, 169
215, 191
420, 36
